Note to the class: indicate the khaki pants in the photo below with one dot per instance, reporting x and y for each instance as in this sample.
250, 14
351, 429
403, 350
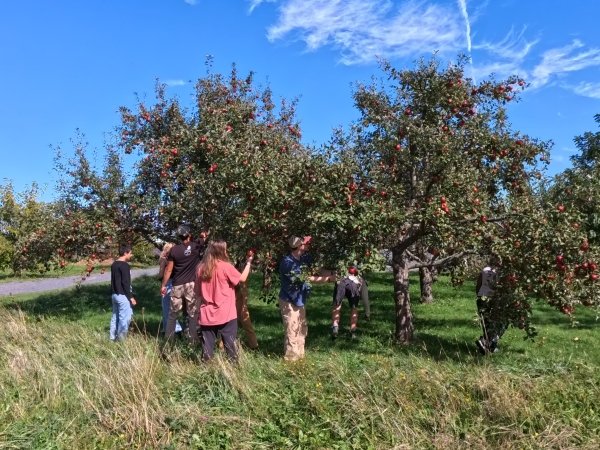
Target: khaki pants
295, 330
179, 294
243, 315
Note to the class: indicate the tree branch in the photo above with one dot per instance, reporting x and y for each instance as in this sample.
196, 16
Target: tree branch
440, 262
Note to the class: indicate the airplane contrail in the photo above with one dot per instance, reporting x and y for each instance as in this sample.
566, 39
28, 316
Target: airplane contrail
463, 9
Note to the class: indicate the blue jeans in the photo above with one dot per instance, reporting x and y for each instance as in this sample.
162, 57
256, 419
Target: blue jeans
166, 305
121, 317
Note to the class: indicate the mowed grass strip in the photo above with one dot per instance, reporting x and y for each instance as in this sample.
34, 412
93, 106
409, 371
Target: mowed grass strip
64, 385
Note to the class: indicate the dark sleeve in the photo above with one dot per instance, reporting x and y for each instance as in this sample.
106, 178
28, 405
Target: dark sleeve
478, 283
126, 280
201, 250
285, 267
120, 279
340, 291
308, 259
170, 256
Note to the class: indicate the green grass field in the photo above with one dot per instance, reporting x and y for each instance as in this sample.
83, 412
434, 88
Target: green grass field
64, 385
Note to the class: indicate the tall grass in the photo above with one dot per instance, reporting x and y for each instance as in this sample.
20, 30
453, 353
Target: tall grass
64, 385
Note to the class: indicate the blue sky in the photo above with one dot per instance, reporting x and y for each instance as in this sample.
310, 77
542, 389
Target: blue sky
69, 64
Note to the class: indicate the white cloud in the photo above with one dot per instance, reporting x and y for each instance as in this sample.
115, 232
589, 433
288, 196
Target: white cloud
363, 30
558, 158
513, 46
510, 54
562, 60
173, 83
591, 90
505, 57
500, 69
568, 150
191, 2
256, 3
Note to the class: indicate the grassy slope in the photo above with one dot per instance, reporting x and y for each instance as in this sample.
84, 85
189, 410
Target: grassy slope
63, 385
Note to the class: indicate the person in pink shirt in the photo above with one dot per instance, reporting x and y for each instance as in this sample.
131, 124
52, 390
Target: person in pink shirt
216, 279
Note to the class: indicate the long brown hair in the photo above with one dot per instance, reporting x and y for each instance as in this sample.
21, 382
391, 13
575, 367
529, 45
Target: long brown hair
215, 252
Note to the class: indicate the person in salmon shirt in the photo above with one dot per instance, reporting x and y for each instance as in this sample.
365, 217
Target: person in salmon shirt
216, 279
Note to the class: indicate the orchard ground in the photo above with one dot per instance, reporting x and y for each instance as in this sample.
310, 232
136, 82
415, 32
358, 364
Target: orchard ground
63, 384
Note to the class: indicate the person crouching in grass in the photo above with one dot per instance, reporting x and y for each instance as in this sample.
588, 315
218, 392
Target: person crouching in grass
216, 279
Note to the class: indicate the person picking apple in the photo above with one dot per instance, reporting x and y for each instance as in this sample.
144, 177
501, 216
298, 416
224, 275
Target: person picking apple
488, 309
294, 293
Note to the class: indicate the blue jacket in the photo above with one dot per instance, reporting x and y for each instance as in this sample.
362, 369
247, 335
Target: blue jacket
293, 289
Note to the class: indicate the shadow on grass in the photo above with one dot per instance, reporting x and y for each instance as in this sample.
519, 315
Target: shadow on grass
84, 302
444, 330
92, 304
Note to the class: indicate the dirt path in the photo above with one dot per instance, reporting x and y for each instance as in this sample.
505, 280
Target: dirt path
51, 284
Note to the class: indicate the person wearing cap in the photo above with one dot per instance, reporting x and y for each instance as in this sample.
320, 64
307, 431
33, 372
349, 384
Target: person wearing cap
181, 268
293, 295
350, 287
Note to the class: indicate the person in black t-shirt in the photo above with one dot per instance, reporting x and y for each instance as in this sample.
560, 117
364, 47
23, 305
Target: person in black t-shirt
181, 269
122, 297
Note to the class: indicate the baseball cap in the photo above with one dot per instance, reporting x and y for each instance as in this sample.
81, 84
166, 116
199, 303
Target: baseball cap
183, 231
295, 242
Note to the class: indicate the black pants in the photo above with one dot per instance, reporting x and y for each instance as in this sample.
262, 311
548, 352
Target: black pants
228, 333
493, 321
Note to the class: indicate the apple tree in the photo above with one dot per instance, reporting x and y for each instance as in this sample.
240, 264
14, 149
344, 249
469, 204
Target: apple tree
29, 230
580, 185
452, 178
98, 208
232, 163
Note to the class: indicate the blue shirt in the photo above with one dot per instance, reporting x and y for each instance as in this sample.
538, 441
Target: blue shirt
293, 290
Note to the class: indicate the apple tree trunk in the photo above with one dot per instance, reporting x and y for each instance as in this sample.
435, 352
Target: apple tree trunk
404, 320
426, 279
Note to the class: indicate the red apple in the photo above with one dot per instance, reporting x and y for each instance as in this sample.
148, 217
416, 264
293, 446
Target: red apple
567, 309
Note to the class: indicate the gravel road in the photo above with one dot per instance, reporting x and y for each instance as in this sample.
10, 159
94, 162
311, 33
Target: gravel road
51, 284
